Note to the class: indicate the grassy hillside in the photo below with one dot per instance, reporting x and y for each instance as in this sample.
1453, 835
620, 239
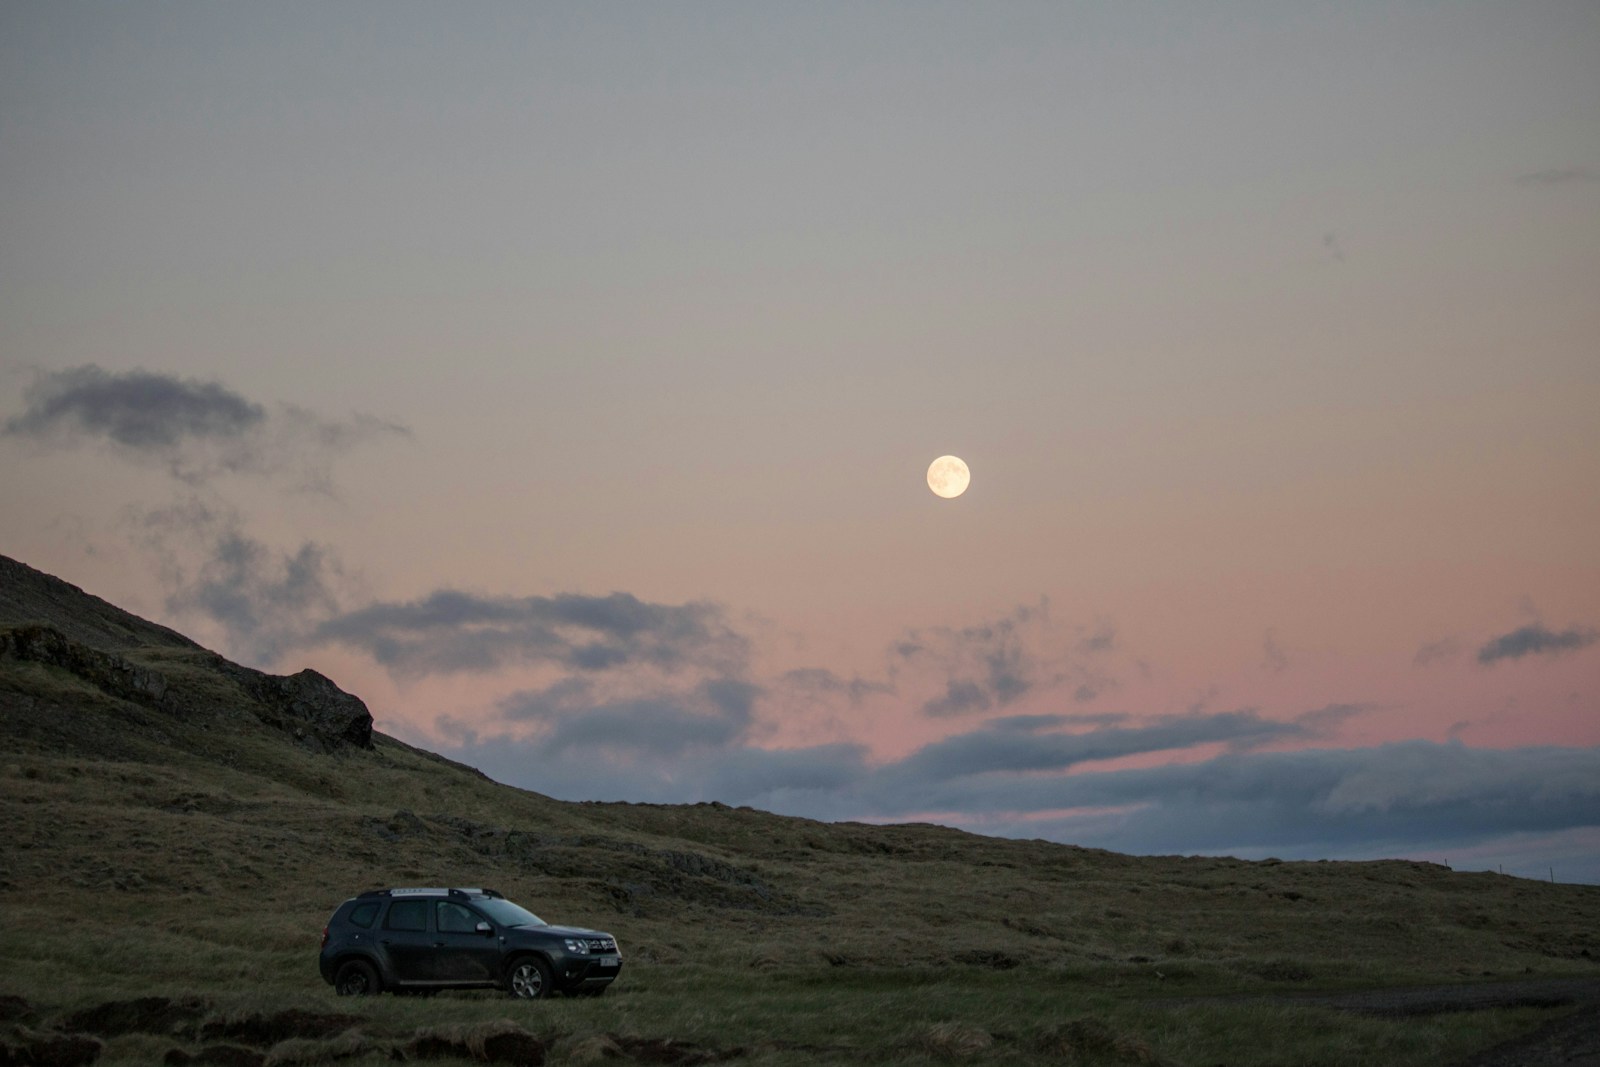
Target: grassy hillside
180, 828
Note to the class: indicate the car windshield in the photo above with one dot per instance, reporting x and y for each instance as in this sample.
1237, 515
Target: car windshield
508, 914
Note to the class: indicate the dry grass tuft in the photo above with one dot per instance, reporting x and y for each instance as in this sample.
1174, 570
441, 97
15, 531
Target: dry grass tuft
1092, 1041
296, 1050
952, 1041
494, 1041
591, 1048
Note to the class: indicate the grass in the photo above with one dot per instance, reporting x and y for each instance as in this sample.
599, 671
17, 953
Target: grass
898, 1018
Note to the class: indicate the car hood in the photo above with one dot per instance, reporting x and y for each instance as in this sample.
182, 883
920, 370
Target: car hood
562, 931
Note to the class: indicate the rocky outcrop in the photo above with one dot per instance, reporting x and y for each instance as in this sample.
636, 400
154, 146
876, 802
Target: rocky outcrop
111, 674
306, 706
311, 708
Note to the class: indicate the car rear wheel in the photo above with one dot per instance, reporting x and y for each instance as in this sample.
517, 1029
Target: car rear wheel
528, 979
356, 979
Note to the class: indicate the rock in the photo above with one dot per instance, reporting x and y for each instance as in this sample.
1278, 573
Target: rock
317, 712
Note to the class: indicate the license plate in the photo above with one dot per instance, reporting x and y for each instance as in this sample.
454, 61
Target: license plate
610, 961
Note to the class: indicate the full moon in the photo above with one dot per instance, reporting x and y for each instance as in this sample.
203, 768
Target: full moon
948, 476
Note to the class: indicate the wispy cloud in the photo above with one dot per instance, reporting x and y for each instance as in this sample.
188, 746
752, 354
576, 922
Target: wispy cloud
263, 601
986, 751
1273, 657
1561, 176
713, 714
1536, 640
196, 430
1446, 648
451, 631
819, 681
990, 665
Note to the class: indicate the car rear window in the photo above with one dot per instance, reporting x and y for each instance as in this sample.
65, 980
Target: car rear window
363, 914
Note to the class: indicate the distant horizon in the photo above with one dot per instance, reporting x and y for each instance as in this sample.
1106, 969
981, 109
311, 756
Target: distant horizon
565, 382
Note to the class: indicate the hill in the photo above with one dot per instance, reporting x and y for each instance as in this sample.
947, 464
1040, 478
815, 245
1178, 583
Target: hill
179, 827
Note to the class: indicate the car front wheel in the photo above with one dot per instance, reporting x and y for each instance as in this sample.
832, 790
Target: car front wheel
356, 979
528, 979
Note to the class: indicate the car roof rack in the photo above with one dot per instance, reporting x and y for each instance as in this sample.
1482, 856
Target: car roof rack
433, 891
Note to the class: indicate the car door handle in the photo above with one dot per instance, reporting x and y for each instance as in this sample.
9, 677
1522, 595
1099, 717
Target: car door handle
438, 944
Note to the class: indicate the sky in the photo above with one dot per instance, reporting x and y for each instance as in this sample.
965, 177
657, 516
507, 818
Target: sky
561, 379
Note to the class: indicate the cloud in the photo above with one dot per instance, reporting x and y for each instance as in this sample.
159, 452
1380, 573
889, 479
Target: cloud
1536, 640
1273, 657
961, 696
714, 714
194, 429
1325, 721
1322, 802
137, 410
1560, 176
451, 631
987, 665
819, 681
263, 601
1447, 648
1010, 748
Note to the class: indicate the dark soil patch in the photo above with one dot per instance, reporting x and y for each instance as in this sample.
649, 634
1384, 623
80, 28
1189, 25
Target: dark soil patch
267, 1030
219, 1055
505, 1044
994, 958
670, 1051
144, 1015
14, 1009
1434, 1000
50, 1050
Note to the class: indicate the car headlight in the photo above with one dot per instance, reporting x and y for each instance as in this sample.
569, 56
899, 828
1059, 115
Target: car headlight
577, 944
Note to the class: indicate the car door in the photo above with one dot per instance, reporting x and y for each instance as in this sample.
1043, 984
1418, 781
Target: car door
407, 942
464, 953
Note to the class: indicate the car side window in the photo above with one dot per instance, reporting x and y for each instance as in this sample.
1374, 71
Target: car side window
407, 915
363, 914
454, 918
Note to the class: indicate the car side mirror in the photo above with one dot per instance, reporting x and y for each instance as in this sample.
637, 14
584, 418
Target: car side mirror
484, 928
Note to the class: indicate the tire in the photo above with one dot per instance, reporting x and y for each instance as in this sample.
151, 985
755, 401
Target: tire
356, 978
528, 978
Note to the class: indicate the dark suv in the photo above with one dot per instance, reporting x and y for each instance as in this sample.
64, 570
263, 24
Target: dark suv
421, 940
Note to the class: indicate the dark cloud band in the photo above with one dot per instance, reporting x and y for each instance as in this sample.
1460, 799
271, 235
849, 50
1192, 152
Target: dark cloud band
451, 631
1536, 640
137, 410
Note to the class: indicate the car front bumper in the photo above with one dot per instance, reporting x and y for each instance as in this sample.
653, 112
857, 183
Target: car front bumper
587, 972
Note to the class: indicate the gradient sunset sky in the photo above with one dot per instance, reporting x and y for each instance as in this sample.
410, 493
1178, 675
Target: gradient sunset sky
561, 380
